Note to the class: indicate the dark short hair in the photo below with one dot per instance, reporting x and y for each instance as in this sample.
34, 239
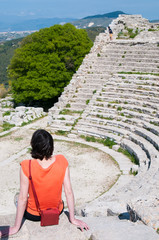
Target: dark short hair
42, 144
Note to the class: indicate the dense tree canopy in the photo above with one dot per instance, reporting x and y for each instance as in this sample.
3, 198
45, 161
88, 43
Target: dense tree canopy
6, 53
46, 61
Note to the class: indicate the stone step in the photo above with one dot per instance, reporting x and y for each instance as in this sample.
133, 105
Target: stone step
129, 57
56, 127
139, 192
128, 62
131, 101
151, 127
131, 91
135, 108
146, 85
136, 150
104, 128
146, 141
113, 69
137, 76
119, 67
149, 136
127, 96
111, 113
121, 61
135, 82
121, 121
90, 82
129, 49
122, 109
111, 228
97, 133
100, 228
114, 54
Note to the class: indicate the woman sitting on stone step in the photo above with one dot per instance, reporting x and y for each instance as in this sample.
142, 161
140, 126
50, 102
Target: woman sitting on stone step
49, 174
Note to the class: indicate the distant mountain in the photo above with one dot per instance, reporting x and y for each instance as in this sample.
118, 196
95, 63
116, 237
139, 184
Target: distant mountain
17, 23
154, 21
107, 15
32, 24
92, 22
97, 20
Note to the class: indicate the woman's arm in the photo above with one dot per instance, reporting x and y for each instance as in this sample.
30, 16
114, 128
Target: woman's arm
70, 202
22, 201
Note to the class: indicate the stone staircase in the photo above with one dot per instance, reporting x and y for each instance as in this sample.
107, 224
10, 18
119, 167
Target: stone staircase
115, 94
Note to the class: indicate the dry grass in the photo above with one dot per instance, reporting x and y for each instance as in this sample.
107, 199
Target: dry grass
3, 91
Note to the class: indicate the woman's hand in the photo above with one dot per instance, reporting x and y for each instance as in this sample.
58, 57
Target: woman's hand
82, 225
13, 230
70, 202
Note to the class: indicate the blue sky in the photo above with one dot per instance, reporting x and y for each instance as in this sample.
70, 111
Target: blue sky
76, 9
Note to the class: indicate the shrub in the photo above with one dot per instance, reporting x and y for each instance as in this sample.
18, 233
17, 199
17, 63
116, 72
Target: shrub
87, 101
68, 105
61, 132
151, 30
133, 172
62, 118
3, 91
119, 108
7, 113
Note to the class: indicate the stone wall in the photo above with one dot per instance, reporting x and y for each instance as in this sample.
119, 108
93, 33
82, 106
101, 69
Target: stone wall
130, 21
19, 115
147, 31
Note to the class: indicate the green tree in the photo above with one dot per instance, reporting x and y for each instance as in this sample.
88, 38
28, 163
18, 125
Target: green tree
6, 53
45, 62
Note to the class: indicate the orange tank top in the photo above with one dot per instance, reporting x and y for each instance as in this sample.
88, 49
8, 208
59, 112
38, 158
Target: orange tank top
47, 182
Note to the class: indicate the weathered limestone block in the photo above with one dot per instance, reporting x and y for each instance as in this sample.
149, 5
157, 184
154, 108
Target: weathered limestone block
22, 114
105, 228
20, 109
16, 120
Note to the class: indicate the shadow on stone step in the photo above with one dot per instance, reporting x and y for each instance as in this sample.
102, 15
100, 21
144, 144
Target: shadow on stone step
67, 214
4, 231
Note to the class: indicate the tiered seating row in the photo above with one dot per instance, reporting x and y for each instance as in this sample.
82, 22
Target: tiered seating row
120, 106
99, 117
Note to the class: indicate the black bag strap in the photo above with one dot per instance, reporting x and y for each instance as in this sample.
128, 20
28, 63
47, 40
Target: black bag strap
33, 188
